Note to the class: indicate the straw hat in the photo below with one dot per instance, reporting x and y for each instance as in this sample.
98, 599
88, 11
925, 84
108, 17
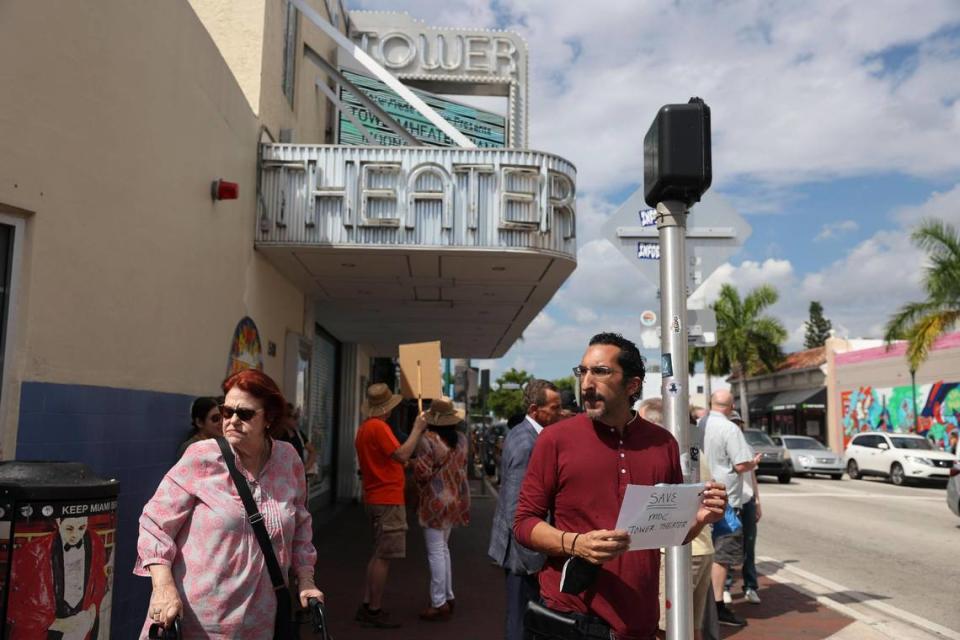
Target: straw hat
442, 413
380, 401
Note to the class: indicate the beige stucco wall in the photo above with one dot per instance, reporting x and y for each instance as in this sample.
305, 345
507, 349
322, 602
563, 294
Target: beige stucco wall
250, 35
308, 114
237, 29
115, 117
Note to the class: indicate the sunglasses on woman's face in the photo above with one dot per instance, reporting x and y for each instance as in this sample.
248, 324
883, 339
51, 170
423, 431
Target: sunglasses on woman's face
245, 414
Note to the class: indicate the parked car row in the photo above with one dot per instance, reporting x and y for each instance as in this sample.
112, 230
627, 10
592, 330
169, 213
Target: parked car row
809, 457
774, 459
902, 457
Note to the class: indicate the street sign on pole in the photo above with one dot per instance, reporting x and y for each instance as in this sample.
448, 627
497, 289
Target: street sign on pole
718, 232
677, 170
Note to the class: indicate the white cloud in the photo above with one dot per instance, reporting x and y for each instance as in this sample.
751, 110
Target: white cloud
585, 316
834, 229
942, 205
860, 290
799, 91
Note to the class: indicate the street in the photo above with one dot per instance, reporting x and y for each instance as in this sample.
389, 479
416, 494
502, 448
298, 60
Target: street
887, 544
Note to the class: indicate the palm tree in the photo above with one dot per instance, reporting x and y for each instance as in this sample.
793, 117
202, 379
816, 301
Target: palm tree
921, 323
747, 341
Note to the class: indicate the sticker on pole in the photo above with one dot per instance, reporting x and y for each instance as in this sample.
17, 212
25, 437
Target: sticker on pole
666, 365
675, 324
674, 388
648, 318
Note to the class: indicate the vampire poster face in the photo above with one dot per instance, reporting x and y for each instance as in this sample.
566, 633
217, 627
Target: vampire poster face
59, 557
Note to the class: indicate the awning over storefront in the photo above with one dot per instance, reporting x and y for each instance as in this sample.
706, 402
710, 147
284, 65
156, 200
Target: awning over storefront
806, 398
760, 403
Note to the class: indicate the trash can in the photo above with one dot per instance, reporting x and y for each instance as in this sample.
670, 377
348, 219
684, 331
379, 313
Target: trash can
58, 524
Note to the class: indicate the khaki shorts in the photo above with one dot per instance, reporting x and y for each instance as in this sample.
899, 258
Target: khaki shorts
728, 550
700, 567
389, 530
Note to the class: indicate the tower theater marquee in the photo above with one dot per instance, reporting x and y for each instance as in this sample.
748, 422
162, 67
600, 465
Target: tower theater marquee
451, 61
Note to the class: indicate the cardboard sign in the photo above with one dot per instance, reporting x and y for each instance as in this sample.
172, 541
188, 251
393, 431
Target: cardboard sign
428, 378
659, 516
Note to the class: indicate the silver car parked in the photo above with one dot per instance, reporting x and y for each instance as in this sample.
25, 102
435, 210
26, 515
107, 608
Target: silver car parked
810, 457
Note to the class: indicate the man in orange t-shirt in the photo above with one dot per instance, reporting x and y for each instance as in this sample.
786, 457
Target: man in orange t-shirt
382, 460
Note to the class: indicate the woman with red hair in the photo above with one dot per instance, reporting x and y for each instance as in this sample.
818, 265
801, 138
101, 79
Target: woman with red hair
196, 542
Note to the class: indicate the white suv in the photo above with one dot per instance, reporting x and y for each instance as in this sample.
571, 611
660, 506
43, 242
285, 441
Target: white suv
901, 456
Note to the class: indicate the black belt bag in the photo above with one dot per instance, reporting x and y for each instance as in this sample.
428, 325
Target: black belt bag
541, 622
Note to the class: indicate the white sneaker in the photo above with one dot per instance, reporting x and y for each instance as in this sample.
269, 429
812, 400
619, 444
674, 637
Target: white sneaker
751, 596
727, 598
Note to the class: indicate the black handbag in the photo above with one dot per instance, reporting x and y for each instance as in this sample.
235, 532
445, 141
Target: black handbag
283, 627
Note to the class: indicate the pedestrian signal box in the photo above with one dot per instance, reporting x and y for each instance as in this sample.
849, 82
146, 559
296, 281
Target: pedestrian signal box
676, 154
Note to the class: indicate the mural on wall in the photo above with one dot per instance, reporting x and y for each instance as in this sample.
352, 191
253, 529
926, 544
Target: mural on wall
892, 409
245, 351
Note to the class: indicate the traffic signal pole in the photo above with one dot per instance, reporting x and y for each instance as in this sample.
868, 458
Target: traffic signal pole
672, 228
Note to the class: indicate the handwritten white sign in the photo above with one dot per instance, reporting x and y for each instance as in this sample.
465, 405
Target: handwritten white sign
659, 516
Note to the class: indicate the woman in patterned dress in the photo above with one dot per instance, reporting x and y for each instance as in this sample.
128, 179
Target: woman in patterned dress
195, 541
441, 474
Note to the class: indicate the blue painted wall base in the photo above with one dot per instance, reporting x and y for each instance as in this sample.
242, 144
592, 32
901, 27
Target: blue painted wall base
125, 434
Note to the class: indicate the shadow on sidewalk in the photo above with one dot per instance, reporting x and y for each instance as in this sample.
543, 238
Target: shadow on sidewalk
785, 614
344, 544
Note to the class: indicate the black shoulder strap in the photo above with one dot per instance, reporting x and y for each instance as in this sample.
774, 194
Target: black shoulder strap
253, 516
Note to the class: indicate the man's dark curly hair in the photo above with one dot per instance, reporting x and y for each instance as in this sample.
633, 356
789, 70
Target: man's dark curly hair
629, 357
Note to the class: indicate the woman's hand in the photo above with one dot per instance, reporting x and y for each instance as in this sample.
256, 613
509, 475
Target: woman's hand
165, 603
307, 587
312, 592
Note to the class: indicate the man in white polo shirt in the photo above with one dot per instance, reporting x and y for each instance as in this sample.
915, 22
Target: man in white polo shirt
730, 457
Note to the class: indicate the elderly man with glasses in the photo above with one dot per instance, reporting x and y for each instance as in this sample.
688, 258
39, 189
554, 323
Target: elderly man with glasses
579, 471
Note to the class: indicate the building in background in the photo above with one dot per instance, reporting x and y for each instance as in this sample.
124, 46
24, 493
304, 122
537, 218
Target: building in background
128, 288
873, 389
854, 385
792, 399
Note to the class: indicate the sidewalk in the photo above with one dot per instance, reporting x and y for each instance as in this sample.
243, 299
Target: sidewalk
788, 611
343, 548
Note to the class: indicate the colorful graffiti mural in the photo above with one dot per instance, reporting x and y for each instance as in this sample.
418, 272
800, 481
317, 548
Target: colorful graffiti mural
892, 409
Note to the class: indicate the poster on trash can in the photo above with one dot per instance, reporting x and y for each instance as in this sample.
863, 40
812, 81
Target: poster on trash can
61, 570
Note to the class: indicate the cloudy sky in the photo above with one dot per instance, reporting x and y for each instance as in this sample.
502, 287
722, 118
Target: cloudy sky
836, 128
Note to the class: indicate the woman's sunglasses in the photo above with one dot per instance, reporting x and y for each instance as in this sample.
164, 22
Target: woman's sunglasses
245, 415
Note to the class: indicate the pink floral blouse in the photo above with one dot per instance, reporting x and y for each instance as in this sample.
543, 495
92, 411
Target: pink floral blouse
196, 524
441, 475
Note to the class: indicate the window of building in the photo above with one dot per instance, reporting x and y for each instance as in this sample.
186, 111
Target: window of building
699, 388
11, 237
291, 35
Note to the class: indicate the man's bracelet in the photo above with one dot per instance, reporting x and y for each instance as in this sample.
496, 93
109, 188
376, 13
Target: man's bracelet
562, 549
573, 545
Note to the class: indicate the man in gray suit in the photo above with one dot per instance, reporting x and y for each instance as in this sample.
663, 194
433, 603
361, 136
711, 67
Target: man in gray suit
542, 401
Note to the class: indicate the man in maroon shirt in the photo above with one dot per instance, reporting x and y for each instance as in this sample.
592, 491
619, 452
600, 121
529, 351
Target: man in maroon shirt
579, 471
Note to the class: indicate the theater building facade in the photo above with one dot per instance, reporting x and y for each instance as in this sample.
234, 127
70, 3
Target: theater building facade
192, 187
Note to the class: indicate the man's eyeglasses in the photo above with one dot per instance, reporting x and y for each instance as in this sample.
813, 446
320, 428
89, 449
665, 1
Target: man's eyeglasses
245, 415
596, 372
